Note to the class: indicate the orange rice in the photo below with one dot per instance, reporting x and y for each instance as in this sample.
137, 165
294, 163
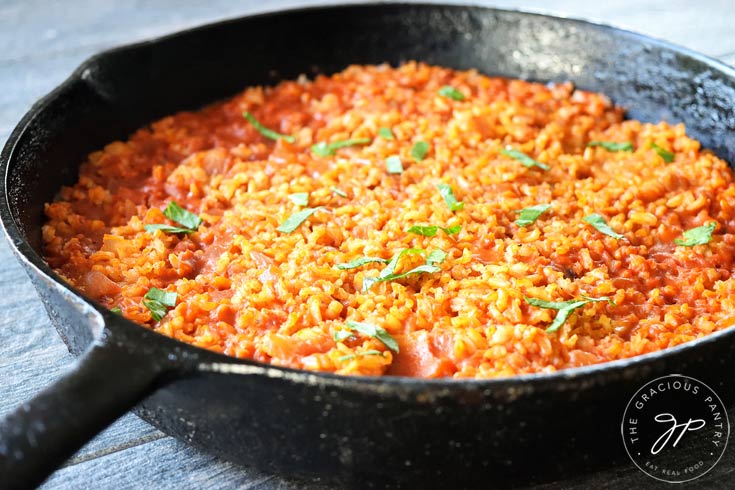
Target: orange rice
247, 290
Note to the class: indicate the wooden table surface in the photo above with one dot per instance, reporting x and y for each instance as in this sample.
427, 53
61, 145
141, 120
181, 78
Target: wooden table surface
42, 41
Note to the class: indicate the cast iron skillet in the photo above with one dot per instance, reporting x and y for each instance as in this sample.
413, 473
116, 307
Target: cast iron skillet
356, 431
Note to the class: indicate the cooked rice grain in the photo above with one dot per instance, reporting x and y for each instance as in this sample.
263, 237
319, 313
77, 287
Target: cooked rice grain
249, 291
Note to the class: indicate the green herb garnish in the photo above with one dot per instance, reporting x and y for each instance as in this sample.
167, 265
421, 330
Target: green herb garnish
451, 93
158, 301
663, 153
353, 264
299, 198
426, 268
701, 235
349, 357
374, 332
174, 212
394, 164
324, 149
524, 159
158, 311
161, 296
389, 273
116, 310
419, 150
565, 308
529, 215
386, 134
295, 220
612, 145
342, 335
167, 229
393, 262
339, 192
599, 223
268, 133
448, 194
432, 230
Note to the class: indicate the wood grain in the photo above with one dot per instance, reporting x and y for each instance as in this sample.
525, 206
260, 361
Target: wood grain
41, 42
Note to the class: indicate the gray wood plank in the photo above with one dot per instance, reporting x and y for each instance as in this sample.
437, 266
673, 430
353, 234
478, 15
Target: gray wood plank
168, 463
702, 26
38, 28
25, 81
33, 355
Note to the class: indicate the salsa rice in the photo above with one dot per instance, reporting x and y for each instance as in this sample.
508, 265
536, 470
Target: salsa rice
414, 221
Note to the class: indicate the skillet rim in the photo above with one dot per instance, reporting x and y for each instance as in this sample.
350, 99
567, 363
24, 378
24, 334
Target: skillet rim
204, 361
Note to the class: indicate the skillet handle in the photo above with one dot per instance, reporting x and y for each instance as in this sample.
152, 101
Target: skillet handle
38, 436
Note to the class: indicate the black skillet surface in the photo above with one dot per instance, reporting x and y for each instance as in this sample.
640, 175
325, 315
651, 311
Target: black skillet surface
360, 432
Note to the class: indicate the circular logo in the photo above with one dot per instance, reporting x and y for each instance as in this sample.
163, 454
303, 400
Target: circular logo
675, 428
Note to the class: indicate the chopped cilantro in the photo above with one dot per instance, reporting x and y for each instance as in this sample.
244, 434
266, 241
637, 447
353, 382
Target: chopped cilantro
612, 145
524, 159
451, 93
324, 149
419, 150
299, 198
599, 223
268, 133
529, 215
375, 332
448, 194
564, 308
295, 220
700, 235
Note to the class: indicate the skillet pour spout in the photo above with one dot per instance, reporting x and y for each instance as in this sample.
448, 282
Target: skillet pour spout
387, 432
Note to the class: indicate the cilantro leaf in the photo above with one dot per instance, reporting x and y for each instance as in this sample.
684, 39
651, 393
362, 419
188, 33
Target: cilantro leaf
324, 149
375, 332
394, 164
386, 133
393, 263
419, 150
599, 223
448, 194
295, 220
431, 230
564, 308
700, 235
349, 357
663, 153
163, 297
529, 215
299, 198
524, 159
268, 133
612, 146
339, 192
157, 302
436, 257
158, 311
342, 335
389, 273
451, 93
167, 229
176, 213
353, 264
